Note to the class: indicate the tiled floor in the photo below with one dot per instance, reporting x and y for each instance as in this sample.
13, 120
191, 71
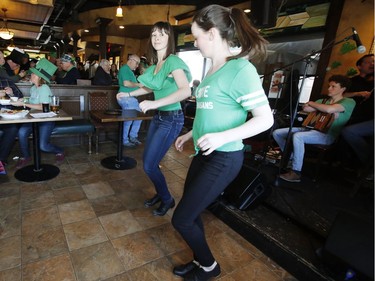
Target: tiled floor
89, 223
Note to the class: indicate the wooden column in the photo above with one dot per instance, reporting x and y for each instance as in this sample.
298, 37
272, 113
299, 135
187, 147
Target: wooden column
75, 37
103, 23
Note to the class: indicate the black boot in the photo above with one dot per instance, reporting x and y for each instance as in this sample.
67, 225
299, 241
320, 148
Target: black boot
163, 208
152, 201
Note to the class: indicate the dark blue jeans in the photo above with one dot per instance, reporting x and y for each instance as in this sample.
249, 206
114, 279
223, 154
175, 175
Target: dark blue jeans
45, 130
160, 136
207, 178
7, 140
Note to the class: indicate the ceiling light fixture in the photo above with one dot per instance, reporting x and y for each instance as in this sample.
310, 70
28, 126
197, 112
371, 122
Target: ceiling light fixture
5, 33
33, 2
119, 10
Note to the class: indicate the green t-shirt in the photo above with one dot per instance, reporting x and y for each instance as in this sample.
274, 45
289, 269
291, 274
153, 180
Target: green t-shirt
343, 117
40, 94
162, 83
126, 74
224, 99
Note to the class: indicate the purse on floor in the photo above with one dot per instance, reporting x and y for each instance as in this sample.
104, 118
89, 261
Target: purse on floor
318, 120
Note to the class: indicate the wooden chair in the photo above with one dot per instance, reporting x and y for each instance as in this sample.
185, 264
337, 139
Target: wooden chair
100, 101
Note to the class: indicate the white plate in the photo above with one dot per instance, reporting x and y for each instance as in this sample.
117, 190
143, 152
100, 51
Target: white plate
7, 115
4, 102
43, 114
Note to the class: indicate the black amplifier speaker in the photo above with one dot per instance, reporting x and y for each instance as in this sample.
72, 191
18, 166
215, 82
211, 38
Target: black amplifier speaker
248, 189
350, 244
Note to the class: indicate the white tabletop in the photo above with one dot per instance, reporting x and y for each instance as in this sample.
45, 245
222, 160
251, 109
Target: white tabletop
62, 116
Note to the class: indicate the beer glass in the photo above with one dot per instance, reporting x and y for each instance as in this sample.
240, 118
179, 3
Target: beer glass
55, 104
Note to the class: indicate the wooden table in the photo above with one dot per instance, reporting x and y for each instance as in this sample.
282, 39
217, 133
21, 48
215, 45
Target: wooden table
37, 171
119, 162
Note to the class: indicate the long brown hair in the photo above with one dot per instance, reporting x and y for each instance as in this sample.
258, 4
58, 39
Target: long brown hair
165, 27
234, 27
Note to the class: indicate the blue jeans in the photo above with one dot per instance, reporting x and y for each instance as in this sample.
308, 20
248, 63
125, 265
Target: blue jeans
45, 130
355, 135
7, 140
299, 138
131, 128
206, 179
161, 134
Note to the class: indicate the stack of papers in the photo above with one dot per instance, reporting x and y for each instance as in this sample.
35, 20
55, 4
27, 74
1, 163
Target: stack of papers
43, 114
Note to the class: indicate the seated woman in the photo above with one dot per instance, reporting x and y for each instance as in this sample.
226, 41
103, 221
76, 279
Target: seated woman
40, 93
102, 74
339, 105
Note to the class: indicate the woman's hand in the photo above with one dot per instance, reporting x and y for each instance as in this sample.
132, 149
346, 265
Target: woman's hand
9, 91
209, 142
147, 105
122, 94
179, 143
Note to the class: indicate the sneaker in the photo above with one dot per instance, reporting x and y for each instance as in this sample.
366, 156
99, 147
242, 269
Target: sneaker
2, 169
128, 144
60, 157
22, 162
135, 141
291, 176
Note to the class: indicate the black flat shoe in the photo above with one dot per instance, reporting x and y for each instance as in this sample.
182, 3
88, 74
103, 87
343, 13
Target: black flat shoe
163, 208
152, 201
183, 269
198, 274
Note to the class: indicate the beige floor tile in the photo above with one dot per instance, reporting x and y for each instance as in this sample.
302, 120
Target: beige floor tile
84, 233
38, 200
13, 274
120, 224
9, 189
96, 262
97, 189
120, 277
161, 269
63, 180
136, 250
42, 242
41, 218
145, 217
70, 194
228, 252
10, 252
10, 216
107, 205
132, 199
167, 238
254, 271
53, 269
76, 211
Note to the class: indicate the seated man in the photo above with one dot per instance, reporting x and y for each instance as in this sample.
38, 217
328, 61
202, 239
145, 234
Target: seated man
361, 123
339, 105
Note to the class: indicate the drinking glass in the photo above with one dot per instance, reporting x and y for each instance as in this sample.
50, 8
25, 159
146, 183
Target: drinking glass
55, 104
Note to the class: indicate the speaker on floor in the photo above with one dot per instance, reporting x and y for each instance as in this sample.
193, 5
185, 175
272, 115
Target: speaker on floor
264, 13
248, 189
350, 245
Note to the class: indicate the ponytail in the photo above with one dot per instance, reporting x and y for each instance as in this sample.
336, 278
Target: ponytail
234, 27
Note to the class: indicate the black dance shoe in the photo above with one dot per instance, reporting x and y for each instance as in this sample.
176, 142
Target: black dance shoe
183, 269
163, 208
198, 274
152, 201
